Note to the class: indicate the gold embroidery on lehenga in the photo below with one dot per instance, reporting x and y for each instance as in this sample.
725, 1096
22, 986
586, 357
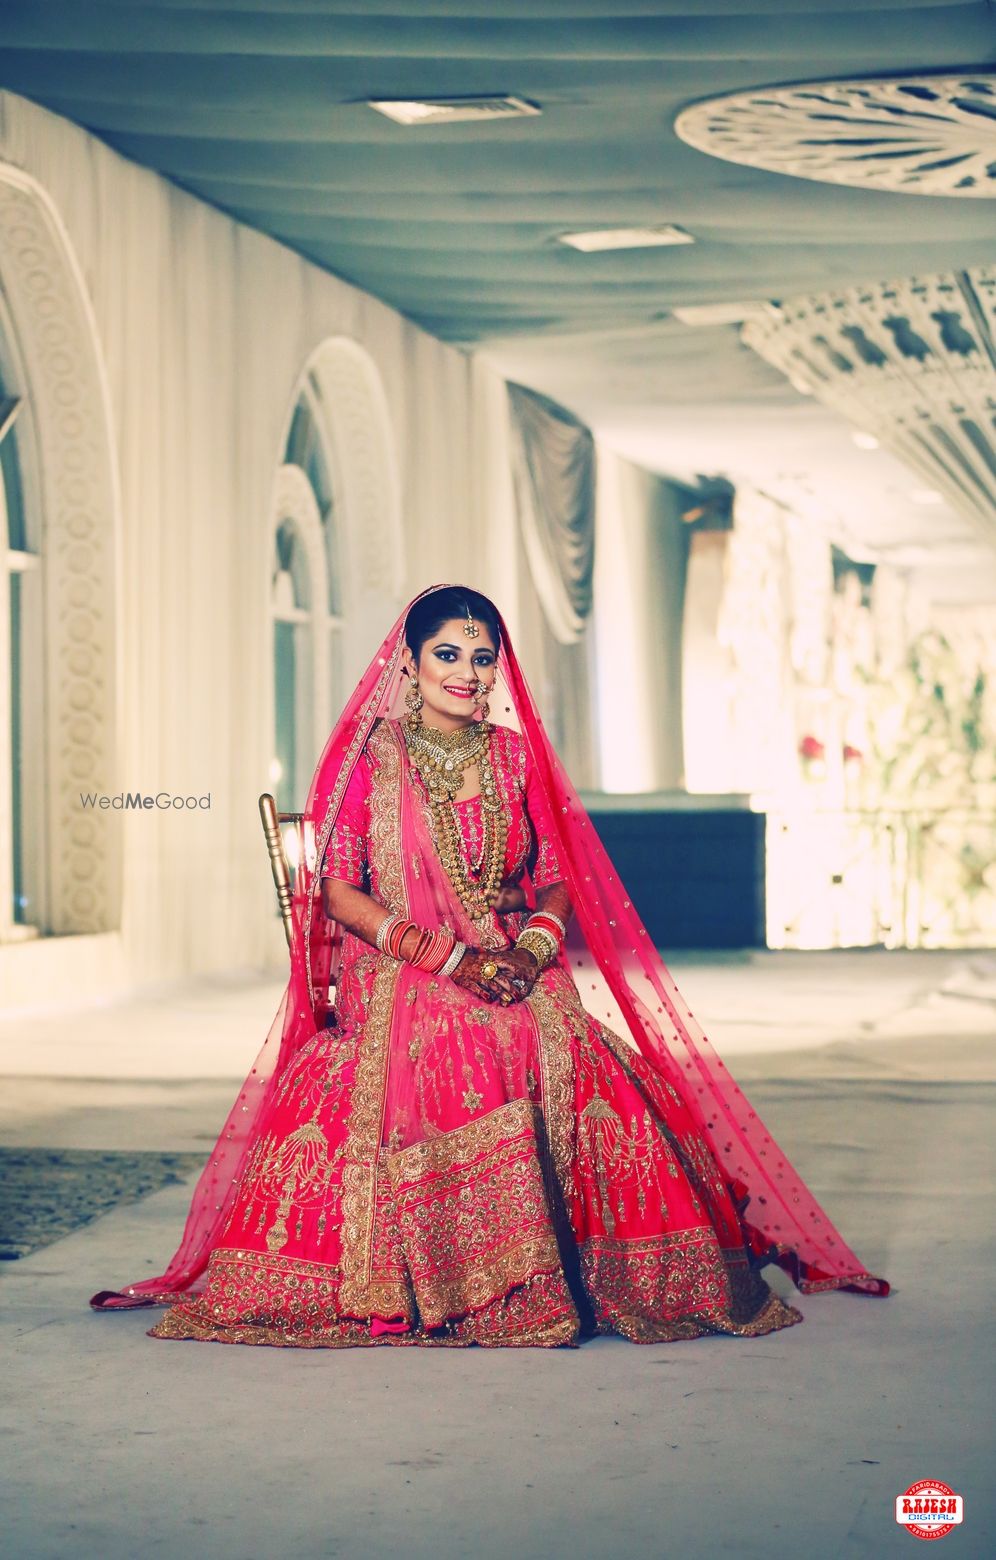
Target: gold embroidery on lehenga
295, 1172
473, 1211
557, 1070
282, 1302
361, 1293
661, 1288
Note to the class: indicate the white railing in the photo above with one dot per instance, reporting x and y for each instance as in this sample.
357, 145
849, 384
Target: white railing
901, 878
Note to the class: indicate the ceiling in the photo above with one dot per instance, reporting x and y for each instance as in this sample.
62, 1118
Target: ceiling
260, 109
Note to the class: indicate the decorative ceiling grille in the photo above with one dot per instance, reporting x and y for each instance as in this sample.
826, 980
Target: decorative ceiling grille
912, 362
925, 135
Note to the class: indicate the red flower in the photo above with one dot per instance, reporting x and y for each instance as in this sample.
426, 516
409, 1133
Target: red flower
812, 747
851, 752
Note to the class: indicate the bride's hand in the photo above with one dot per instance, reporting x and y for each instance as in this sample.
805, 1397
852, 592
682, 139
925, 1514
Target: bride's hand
519, 969
490, 987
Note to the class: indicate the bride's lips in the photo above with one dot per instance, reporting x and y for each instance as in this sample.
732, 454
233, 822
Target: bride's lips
458, 693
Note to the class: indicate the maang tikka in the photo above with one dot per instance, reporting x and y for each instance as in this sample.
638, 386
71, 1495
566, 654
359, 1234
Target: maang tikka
470, 628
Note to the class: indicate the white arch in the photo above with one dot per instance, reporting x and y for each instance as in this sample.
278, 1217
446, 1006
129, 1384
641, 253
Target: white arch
295, 501
80, 503
356, 425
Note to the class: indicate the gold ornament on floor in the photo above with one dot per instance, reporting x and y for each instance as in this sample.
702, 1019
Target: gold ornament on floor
441, 758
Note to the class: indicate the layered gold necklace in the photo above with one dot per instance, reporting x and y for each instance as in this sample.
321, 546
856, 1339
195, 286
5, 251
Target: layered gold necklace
441, 758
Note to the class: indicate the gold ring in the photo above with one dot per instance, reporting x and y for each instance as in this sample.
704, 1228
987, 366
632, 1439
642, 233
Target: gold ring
506, 998
489, 970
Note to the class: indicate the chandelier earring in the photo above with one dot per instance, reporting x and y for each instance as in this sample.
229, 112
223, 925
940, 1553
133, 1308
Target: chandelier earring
414, 700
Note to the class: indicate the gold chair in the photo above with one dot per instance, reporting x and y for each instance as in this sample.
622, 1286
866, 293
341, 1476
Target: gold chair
279, 830
277, 827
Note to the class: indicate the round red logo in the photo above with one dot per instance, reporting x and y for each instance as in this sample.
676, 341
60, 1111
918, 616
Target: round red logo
929, 1509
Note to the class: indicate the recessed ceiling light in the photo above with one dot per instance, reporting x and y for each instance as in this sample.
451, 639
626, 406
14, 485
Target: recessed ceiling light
722, 313
864, 441
626, 238
926, 496
447, 111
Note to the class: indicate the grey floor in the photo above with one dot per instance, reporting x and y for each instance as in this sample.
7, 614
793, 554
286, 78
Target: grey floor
875, 1073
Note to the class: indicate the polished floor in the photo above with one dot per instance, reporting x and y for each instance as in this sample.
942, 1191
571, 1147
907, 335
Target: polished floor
875, 1071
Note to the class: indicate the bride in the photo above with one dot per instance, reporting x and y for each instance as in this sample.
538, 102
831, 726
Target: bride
456, 1149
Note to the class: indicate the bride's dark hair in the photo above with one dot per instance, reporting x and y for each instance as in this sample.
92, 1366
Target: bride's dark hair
441, 606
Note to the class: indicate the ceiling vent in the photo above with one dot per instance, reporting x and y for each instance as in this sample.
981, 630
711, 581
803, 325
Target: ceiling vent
448, 111
626, 238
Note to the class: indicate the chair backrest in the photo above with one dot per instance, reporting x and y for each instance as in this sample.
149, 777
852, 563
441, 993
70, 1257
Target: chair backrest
276, 827
279, 829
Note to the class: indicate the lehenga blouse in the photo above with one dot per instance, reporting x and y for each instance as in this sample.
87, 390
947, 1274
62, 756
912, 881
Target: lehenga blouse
529, 844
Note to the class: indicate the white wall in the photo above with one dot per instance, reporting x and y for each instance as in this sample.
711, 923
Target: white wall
203, 328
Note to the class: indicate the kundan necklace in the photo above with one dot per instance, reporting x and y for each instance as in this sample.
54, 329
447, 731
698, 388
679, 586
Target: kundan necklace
441, 758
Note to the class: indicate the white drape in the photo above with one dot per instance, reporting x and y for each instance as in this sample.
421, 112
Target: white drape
205, 327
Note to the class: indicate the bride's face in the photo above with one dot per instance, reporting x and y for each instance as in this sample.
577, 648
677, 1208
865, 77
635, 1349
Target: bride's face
450, 669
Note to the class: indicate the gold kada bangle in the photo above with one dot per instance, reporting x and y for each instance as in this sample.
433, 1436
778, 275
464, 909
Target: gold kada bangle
540, 944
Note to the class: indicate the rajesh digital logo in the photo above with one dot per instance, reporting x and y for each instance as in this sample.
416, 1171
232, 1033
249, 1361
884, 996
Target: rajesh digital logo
929, 1509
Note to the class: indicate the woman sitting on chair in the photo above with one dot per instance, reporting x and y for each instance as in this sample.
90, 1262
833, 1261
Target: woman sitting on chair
466, 1149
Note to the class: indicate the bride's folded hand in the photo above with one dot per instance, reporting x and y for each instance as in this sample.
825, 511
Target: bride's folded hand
482, 974
519, 969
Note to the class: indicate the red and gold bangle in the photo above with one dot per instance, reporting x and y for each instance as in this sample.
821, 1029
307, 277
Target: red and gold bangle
432, 950
545, 921
383, 929
395, 936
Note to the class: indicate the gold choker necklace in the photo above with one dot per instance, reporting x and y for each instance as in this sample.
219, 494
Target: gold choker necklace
442, 756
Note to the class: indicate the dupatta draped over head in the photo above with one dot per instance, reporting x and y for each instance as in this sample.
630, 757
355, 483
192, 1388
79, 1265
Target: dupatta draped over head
621, 978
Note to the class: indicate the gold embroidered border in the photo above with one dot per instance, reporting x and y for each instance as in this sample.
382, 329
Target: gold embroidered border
537, 1314
359, 1294
557, 1065
661, 1288
384, 833
473, 1212
363, 719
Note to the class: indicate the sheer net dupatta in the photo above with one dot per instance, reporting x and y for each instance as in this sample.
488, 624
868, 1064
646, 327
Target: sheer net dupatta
303, 1007
612, 953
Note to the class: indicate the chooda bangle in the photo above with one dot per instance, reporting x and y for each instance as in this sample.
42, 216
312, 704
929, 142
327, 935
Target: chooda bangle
547, 918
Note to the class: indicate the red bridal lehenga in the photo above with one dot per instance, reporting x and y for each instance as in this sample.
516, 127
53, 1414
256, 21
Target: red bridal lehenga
409, 1165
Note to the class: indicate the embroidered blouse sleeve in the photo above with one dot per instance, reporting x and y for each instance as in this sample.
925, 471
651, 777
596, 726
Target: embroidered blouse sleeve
544, 862
346, 852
